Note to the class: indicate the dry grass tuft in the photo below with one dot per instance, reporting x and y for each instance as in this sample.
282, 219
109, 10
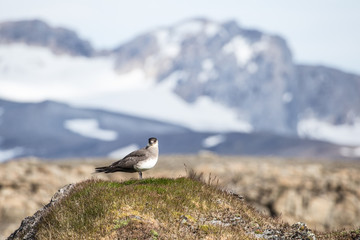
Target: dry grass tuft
192, 174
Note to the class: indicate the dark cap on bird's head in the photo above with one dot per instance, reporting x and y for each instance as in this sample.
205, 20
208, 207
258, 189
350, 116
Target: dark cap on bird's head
152, 141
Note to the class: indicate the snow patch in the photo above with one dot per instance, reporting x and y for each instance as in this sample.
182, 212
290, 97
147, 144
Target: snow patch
210, 112
350, 152
168, 45
171, 81
207, 64
339, 134
90, 128
208, 72
213, 141
10, 153
40, 75
133, 79
122, 152
157, 102
263, 44
287, 97
252, 67
169, 39
212, 29
241, 48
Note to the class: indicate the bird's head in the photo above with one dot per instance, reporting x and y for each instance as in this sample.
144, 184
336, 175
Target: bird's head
153, 142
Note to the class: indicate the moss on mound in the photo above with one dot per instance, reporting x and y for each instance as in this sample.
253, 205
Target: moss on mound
160, 208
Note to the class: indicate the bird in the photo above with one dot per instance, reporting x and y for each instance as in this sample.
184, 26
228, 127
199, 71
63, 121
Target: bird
136, 161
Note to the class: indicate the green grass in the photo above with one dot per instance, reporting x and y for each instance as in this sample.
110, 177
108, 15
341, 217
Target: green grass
160, 208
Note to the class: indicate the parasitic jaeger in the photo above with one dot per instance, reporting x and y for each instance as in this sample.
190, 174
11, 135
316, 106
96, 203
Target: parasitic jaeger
136, 161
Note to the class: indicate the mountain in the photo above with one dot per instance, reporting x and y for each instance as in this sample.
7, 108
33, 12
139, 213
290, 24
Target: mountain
248, 71
326, 104
204, 77
245, 70
38, 33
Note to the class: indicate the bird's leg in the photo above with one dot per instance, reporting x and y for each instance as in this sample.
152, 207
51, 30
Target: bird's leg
140, 175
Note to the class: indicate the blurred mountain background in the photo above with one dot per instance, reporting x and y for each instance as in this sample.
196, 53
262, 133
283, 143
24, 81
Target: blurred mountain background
198, 85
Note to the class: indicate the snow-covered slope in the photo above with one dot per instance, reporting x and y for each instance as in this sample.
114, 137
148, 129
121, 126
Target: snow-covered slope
340, 134
92, 82
90, 128
29, 73
160, 103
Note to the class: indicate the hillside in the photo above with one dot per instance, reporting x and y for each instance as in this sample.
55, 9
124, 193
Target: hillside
325, 195
182, 208
58, 130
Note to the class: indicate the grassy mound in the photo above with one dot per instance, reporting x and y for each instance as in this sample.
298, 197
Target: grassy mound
159, 209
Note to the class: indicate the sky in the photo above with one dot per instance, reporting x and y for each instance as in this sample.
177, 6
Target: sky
325, 32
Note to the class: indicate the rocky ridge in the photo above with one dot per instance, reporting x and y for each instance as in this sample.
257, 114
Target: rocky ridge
39, 33
28, 226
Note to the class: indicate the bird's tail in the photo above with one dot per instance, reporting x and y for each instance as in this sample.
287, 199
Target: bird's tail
101, 169
111, 169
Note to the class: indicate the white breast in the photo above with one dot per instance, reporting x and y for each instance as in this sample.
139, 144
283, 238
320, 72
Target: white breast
147, 164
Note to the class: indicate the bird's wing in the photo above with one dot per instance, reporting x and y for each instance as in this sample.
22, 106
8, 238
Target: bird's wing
131, 159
